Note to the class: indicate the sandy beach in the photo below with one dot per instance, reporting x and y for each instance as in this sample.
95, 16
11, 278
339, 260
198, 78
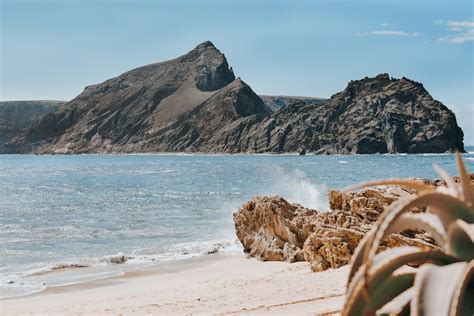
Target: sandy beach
220, 285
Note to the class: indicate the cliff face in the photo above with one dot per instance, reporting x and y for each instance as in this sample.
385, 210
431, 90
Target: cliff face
388, 115
15, 116
194, 104
276, 102
372, 115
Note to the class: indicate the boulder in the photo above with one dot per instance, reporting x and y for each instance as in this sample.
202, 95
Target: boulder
272, 229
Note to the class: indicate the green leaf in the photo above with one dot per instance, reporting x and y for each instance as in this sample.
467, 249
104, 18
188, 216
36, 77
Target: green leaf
400, 305
463, 304
461, 240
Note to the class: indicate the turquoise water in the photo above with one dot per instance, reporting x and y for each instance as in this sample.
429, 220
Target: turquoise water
112, 213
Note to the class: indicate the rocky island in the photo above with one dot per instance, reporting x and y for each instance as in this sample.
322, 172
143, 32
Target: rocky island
194, 103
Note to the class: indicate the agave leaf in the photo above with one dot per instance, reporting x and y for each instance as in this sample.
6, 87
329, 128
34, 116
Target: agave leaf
446, 290
423, 221
465, 181
383, 293
400, 305
447, 207
420, 221
444, 175
358, 256
408, 183
461, 240
387, 290
435, 288
385, 263
462, 303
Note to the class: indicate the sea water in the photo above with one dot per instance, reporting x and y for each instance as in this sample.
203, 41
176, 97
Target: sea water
72, 219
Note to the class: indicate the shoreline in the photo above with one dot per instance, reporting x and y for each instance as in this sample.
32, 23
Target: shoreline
115, 272
63, 274
220, 284
218, 154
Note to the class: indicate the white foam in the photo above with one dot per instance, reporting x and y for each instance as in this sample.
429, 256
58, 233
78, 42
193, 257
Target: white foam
57, 266
11, 286
116, 259
296, 187
37, 279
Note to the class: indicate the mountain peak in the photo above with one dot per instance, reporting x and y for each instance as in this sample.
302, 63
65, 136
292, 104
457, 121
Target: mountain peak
211, 70
206, 48
205, 44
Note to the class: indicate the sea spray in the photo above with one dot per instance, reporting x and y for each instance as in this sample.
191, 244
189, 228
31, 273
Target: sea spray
296, 187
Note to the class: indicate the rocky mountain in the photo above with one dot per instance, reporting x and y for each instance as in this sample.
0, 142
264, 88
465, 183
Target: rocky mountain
16, 116
276, 102
194, 103
372, 115
177, 105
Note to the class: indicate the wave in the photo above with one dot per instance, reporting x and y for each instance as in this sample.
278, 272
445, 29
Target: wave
115, 259
176, 252
56, 267
85, 270
297, 187
12, 286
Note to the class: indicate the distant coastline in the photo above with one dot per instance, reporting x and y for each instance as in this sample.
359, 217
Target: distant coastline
468, 149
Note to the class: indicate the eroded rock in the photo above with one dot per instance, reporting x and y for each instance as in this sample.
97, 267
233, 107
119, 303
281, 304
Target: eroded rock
272, 229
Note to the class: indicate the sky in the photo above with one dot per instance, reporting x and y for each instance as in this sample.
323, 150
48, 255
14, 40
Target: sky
53, 49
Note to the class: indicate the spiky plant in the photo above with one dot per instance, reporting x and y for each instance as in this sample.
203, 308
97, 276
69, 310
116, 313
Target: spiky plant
443, 284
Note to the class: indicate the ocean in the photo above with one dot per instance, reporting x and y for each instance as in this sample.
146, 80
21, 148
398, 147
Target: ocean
73, 219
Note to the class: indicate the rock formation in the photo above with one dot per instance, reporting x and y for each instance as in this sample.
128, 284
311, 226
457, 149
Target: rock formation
272, 229
276, 102
372, 115
387, 115
16, 116
194, 103
175, 105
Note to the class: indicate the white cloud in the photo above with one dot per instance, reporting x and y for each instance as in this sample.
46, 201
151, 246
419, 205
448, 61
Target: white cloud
458, 39
389, 33
460, 31
460, 24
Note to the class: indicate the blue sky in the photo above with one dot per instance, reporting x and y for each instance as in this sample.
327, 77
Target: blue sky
53, 49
